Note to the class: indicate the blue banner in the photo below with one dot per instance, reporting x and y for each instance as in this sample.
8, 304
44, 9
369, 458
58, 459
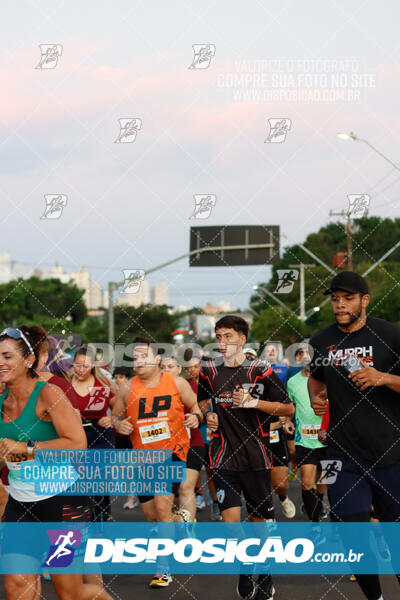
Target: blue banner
214, 548
102, 472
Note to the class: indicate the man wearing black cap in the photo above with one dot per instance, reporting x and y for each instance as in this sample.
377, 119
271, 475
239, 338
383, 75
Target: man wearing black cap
356, 363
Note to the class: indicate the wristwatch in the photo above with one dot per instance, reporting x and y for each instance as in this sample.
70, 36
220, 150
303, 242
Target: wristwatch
30, 447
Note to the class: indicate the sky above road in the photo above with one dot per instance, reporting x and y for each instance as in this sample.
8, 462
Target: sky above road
325, 67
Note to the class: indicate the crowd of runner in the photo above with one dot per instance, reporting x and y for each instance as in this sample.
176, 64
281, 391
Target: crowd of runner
247, 424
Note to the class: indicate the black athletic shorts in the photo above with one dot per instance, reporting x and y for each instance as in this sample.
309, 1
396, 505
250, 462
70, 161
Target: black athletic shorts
309, 456
123, 442
175, 485
279, 450
254, 485
55, 509
356, 488
195, 458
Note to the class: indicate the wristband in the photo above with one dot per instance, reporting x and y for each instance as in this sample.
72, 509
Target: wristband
30, 447
198, 416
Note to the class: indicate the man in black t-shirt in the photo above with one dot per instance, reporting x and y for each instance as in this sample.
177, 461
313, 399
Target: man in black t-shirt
243, 396
356, 363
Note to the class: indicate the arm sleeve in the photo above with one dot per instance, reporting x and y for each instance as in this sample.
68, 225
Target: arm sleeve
204, 391
274, 390
325, 420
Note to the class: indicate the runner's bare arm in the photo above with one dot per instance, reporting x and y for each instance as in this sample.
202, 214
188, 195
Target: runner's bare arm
205, 406
118, 414
280, 409
53, 404
317, 393
188, 397
121, 401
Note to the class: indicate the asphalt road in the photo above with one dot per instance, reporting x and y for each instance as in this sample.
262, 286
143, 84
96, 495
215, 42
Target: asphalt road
223, 587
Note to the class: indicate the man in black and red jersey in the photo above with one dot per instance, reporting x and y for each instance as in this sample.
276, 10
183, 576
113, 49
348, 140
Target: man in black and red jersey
243, 395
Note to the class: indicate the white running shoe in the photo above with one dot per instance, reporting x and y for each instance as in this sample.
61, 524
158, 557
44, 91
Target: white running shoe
162, 580
184, 514
288, 508
200, 504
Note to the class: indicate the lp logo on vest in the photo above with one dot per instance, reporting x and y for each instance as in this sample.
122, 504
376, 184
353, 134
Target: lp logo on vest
190, 550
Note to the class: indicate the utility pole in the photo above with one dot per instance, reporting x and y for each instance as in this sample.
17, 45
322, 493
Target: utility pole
347, 230
302, 267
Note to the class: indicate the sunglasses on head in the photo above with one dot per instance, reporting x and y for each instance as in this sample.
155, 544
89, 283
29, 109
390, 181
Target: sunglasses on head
16, 334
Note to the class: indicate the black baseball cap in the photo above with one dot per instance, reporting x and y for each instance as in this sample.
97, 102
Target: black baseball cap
348, 281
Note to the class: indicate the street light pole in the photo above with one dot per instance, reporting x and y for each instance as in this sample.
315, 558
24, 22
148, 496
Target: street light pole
302, 266
347, 229
352, 136
113, 286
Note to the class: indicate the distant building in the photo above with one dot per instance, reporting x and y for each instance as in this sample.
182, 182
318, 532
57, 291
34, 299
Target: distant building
93, 294
11, 269
138, 298
159, 294
222, 307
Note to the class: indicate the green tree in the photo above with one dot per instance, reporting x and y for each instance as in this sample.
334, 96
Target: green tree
47, 302
372, 238
278, 323
155, 322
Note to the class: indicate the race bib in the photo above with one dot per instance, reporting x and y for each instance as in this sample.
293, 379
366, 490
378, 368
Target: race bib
310, 432
13, 461
154, 433
274, 436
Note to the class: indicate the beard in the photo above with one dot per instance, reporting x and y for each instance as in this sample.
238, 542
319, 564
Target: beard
353, 317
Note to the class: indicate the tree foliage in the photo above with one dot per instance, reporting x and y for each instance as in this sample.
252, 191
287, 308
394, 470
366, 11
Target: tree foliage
372, 237
278, 323
47, 302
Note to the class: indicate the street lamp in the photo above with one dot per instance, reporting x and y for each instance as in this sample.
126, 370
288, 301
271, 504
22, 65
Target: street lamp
352, 136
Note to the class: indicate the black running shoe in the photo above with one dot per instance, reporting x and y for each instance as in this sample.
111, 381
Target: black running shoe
246, 588
265, 588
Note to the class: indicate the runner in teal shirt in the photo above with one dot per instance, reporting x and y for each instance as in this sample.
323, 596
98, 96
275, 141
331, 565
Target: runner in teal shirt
309, 451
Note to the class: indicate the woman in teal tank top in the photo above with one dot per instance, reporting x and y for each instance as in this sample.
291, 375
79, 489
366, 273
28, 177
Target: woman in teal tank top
35, 415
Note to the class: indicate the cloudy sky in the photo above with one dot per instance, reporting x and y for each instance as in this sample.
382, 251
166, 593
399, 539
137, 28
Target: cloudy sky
327, 66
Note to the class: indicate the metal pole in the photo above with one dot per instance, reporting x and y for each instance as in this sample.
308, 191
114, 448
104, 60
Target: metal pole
357, 139
349, 243
302, 266
111, 288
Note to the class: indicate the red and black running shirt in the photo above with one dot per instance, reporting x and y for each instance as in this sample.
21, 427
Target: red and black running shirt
241, 442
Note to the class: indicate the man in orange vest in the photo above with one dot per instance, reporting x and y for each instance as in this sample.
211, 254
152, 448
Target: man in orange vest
150, 408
